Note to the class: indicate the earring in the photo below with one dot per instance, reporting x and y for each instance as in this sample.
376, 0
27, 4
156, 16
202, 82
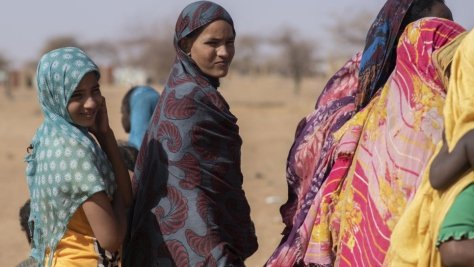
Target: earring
189, 54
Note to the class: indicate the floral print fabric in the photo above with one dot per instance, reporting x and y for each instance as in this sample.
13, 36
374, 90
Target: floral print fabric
190, 208
393, 139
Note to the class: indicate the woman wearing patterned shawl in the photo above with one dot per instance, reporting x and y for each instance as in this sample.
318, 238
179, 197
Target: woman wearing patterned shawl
190, 208
79, 190
437, 228
312, 154
381, 154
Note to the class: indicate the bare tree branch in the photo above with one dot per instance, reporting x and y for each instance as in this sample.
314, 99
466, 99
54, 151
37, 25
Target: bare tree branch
298, 56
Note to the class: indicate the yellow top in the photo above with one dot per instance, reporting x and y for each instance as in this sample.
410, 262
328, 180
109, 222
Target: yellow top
77, 248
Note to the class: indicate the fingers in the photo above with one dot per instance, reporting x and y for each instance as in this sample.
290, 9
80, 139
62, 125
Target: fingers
104, 105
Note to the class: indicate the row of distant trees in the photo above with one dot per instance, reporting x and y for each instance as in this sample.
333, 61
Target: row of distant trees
286, 52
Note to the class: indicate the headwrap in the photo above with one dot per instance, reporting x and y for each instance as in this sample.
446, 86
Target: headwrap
413, 242
443, 58
142, 103
378, 58
195, 16
310, 158
65, 166
190, 209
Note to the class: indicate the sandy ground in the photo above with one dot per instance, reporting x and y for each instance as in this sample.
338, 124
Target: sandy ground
268, 113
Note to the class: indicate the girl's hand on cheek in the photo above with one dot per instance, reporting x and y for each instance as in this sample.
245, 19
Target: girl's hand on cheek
101, 126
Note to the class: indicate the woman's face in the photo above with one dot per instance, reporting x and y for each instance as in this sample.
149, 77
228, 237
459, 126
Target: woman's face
85, 101
213, 49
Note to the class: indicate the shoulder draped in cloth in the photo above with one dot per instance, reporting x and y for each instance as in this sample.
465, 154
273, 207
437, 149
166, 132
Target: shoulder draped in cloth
190, 209
310, 157
378, 58
382, 153
413, 242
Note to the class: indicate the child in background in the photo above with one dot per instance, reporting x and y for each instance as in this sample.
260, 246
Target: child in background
137, 108
24, 215
129, 155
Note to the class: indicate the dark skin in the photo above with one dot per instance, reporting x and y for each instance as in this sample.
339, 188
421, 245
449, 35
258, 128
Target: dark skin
446, 170
107, 219
441, 10
457, 253
448, 167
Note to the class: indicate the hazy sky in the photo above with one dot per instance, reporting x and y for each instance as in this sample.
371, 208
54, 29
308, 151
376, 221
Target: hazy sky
25, 30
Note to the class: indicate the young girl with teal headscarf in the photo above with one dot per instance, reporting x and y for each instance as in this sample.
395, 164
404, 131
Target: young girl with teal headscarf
79, 189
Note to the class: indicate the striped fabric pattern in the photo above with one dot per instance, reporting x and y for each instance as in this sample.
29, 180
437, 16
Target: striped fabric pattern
395, 135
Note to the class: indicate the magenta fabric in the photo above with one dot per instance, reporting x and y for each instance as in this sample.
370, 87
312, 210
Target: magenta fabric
310, 157
391, 140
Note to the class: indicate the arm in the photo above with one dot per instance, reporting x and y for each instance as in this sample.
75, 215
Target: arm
448, 167
109, 220
106, 220
109, 144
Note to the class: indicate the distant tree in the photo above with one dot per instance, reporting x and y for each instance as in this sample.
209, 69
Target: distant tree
59, 41
151, 47
4, 83
104, 52
3, 62
158, 56
298, 56
246, 59
349, 32
154, 54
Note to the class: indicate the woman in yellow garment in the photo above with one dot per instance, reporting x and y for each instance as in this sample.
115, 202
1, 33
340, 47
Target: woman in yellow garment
437, 228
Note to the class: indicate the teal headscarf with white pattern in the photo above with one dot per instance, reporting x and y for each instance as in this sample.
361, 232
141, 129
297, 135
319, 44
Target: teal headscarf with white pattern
65, 166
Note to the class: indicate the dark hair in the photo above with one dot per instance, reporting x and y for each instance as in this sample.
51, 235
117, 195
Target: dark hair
185, 43
24, 217
418, 10
125, 109
129, 155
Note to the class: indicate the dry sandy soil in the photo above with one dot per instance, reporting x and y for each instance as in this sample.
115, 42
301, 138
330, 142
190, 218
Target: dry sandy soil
268, 113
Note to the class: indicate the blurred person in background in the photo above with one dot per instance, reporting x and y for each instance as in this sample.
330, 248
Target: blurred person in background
137, 108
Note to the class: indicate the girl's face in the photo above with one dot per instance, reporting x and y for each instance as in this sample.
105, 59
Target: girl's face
85, 101
213, 49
